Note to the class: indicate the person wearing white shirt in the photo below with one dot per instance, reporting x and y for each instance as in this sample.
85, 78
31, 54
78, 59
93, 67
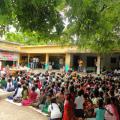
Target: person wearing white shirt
18, 93
79, 100
10, 86
115, 71
118, 71
34, 62
37, 90
54, 110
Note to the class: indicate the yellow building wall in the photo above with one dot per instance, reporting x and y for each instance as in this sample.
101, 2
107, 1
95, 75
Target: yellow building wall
37, 49
9, 47
47, 49
43, 49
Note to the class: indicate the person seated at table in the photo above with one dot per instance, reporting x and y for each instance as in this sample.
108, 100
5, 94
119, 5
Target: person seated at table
3, 83
31, 98
10, 86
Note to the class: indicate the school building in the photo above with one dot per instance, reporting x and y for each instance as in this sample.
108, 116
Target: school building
14, 53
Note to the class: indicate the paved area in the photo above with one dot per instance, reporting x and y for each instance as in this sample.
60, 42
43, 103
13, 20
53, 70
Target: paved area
4, 94
10, 111
58, 71
43, 71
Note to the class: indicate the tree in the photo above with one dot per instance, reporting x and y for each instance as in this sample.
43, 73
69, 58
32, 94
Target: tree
96, 23
3, 17
33, 15
32, 38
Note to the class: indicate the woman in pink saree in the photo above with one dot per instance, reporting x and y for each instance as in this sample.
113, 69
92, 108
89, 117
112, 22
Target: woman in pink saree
109, 107
31, 98
116, 107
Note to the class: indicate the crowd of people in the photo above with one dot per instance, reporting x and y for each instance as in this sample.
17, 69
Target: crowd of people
67, 95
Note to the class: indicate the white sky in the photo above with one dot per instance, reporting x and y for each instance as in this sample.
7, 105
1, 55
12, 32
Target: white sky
12, 29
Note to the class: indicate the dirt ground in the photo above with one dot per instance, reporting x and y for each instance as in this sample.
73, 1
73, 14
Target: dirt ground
10, 111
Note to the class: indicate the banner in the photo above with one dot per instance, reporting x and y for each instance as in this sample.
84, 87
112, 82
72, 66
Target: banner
7, 56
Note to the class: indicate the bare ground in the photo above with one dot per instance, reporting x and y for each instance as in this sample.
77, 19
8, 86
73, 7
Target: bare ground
10, 111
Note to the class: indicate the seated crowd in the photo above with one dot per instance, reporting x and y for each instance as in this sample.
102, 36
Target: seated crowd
67, 96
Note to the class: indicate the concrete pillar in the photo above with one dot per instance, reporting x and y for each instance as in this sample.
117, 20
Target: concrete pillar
28, 65
18, 61
67, 62
98, 64
47, 61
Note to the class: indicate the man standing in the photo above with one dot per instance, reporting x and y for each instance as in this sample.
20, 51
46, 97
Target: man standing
37, 62
34, 62
80, 67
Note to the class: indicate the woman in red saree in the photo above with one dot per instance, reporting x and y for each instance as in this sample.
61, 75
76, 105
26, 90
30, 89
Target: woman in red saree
31, 98
68, 108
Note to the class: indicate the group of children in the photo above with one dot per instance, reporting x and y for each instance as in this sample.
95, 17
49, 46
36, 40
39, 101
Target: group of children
67, 95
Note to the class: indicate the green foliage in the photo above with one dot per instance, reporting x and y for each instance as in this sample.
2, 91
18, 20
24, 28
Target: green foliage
4, 16
33, 15
95, 22
33, 38
6, 12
